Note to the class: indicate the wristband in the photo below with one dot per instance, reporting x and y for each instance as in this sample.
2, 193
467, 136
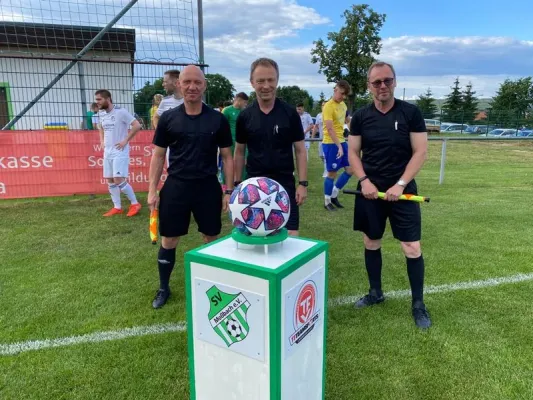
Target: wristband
364, 178
228, 191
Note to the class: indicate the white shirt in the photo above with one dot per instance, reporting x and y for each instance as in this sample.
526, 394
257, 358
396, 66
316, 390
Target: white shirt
320, 127
115, 125
168, 103
306, 121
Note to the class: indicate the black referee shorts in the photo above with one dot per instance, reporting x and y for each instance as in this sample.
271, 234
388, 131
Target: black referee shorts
370, 217
180, 198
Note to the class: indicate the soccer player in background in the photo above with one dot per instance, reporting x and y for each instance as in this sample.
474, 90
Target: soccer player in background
174, 98
156, 101
307, 124
392, 136
334, 145
232, 112
114, 137
319, 127
193, 133
268, 129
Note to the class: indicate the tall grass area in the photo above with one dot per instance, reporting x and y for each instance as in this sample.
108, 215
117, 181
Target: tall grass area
65, 270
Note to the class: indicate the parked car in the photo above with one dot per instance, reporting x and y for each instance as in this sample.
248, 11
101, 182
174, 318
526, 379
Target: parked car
453, 128
501, 133
432, 125
525, 133
472, 129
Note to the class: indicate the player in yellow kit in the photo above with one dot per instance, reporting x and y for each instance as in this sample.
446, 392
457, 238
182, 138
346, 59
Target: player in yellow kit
334, 145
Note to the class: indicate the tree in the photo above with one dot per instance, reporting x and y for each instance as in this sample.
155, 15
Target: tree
452, 109
219, 89
292, 95
142, 100
427, 105
513, 103
317, 108
362, 100
352, 49
470, 104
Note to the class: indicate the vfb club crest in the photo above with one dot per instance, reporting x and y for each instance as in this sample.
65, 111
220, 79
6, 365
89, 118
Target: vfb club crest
306, 314
227, 315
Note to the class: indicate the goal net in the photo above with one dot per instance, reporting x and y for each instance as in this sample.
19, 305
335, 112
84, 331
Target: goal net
40, 38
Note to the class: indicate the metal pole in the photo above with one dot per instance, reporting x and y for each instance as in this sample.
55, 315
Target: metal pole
442, 161
83, 96
88, 47
201, 33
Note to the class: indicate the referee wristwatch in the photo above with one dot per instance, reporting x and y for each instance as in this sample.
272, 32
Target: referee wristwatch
402, 183
228, 191
303, 183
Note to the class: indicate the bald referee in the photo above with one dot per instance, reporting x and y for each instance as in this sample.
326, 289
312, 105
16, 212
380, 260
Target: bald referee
392, 136
193, 132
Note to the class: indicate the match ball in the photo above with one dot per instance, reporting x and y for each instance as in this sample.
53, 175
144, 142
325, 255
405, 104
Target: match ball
259, 207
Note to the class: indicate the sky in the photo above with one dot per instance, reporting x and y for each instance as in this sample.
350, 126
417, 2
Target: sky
430, 44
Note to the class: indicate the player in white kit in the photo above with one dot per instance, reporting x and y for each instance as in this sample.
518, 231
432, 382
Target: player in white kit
173, 99
319, 128
307, 124
114, 123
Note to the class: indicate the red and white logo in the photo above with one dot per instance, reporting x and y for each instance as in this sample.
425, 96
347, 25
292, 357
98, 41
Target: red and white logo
305, 304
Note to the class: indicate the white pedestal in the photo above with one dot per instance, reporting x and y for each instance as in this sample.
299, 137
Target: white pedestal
256, 320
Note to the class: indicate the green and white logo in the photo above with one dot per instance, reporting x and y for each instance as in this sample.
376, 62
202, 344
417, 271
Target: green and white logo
227, 315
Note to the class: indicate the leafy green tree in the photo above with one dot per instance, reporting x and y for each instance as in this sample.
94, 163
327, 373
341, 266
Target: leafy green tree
351, 51
219, 89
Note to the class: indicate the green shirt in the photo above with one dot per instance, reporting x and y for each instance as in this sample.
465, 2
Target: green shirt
90, 120
231, 114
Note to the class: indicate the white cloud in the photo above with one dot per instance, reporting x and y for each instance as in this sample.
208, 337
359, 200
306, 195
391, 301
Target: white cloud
238, 31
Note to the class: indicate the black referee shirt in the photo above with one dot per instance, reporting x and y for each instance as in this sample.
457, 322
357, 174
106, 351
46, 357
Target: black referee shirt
385, 140
269, 138
193, 141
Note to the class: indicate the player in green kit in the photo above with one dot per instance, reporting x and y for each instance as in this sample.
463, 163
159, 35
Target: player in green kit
231, 113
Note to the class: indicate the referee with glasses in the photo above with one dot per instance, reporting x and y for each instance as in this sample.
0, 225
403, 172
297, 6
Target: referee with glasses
392, 136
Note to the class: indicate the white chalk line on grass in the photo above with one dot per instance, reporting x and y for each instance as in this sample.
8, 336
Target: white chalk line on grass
97, 337
452, 287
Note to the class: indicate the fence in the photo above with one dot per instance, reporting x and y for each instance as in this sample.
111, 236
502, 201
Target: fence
47, 163
54, 54
480, 122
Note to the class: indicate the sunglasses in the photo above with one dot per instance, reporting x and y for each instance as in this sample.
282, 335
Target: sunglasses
387, 81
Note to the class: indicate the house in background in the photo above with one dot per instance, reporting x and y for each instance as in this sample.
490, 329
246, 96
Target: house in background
32, 55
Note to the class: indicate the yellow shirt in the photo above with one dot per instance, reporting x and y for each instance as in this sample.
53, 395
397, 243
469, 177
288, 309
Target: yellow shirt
335, 112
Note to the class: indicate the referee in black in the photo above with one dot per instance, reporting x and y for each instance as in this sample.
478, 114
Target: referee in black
193, 132
392, 137
270, 129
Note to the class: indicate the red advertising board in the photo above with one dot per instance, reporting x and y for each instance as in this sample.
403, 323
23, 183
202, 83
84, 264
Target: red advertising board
60, 163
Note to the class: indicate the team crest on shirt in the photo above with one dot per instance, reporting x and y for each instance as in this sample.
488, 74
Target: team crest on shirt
334, 165
227, 315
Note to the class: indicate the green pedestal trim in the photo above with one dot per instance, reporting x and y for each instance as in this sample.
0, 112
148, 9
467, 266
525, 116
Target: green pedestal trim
259, 240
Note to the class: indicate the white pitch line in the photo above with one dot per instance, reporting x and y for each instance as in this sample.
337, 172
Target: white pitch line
20, 347
343, 300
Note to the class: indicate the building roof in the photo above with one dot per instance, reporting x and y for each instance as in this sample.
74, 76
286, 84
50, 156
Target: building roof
21, 36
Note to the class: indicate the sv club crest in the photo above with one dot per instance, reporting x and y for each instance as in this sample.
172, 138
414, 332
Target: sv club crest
227, 315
